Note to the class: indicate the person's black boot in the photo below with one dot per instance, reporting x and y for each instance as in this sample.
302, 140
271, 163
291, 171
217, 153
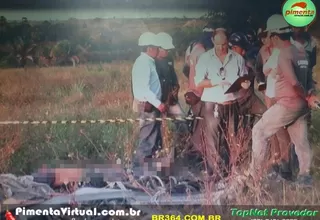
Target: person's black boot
285, 170
273, 172
293, 162
305, 180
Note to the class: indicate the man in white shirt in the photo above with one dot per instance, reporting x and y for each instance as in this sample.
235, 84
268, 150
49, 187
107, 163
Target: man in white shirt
147, 93
292, 101
216, 70
281, 140
193, 94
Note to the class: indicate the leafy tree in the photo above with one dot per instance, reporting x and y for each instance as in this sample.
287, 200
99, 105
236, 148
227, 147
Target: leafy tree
4, 29
3, 24
20, 51
64, 52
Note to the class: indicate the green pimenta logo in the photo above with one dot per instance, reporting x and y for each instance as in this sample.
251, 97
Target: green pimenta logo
299, 13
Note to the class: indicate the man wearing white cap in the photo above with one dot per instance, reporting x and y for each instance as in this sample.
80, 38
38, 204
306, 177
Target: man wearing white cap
165, 69
147, 94
170, 84
291, 105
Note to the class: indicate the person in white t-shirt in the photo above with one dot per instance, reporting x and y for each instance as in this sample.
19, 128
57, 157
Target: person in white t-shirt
280, 142
269, 69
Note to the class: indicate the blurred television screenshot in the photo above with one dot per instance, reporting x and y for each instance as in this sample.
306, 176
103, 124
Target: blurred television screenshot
159, 110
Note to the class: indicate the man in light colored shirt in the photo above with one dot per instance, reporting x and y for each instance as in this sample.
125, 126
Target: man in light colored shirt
291, 104
198, 49
193, 94
216, 70
147, 94
280, 142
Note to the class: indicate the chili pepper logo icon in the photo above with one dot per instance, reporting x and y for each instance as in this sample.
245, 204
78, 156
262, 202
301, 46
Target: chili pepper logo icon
300, 5
299, 13
9, 216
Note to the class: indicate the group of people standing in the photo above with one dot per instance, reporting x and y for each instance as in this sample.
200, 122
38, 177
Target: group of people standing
276, 64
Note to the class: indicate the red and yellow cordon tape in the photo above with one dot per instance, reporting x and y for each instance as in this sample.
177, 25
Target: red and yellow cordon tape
101, 121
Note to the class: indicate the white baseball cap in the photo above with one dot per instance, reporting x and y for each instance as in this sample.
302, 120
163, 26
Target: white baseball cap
148, 39
165, 41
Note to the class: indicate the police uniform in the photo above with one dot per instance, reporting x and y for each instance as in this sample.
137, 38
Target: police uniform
310, 46
169, 82
168, 79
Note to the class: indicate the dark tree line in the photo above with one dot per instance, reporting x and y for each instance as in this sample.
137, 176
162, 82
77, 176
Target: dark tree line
69, 43
21, 42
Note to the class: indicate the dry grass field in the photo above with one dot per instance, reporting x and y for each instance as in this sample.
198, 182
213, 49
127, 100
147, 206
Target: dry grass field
91, 92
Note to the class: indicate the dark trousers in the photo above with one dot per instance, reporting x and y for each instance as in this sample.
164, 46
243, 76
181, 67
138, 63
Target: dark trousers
219, 132
150, 140
181, 127
250, 107
197, 111
194, 152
